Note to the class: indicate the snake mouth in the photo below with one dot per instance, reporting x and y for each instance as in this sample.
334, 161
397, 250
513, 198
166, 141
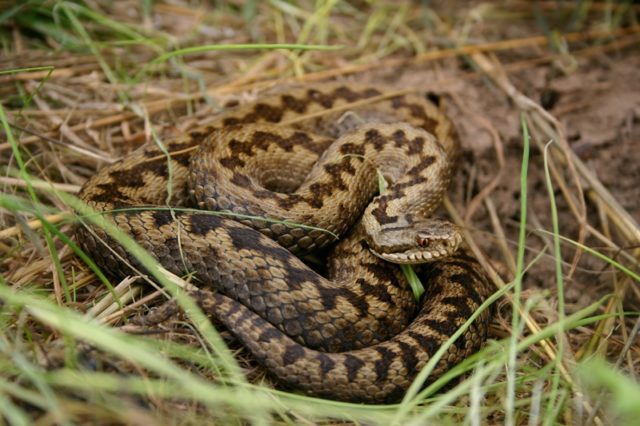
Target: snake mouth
429, 249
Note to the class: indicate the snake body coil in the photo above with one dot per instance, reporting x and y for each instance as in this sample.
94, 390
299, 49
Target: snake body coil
308, 156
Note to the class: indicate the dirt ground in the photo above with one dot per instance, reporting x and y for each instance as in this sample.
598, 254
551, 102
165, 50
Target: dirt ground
597, 107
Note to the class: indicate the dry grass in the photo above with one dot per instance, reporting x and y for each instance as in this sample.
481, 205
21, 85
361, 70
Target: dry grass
80, 88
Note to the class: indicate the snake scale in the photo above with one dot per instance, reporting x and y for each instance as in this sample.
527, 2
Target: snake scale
308, 155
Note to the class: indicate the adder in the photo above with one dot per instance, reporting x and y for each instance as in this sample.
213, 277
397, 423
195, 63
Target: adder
291, 174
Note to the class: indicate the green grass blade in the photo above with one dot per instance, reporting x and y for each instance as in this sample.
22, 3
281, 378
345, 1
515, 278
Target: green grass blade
515, 320
552, 410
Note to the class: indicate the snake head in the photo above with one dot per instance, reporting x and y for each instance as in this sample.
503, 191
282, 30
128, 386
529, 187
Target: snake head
422, 242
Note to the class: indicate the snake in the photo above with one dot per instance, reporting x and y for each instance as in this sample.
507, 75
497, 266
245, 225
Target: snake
242, 203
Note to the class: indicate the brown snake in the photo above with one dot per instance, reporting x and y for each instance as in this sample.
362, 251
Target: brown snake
309, 156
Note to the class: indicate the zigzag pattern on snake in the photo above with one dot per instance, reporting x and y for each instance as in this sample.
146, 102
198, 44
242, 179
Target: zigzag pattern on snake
308, 156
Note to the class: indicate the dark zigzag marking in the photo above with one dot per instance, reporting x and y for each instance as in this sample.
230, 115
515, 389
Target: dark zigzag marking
382, 365
409, 358
292, 354
353, 365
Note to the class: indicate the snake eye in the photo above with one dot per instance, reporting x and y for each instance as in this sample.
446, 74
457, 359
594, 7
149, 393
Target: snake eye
422, 239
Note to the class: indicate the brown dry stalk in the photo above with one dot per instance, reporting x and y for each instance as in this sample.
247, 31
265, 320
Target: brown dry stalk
471, 49
492, 69
244, 83
33, 225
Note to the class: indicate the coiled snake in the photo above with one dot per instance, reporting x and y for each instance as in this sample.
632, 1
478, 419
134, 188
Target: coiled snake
308, 156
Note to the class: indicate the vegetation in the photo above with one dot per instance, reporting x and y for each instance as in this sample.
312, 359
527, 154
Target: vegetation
85, 82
